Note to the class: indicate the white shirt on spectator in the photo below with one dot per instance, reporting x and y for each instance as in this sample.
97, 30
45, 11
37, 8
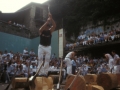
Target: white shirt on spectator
25, 52
11, 55
32, 53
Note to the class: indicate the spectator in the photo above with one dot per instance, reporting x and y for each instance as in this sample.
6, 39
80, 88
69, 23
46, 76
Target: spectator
73, 65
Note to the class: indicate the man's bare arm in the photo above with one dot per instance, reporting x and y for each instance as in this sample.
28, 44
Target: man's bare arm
53, 23
43, 27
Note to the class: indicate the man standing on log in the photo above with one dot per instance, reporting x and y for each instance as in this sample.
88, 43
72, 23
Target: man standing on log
110, 61
70, 56
116, 62
44, 47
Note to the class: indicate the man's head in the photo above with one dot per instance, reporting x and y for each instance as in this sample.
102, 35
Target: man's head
75, 52
106, 56
48, 26
113, 52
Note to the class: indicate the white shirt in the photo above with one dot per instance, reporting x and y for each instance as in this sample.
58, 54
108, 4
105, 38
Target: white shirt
4, 55
80, 37
24, 67
111, 61
11, 55
67, 45
25, 52
32, 53
69, 55
99, 69
35, 61
115, 58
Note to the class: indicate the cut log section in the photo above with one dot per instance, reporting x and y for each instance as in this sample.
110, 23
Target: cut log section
55, 78
79, 83
43, 83
20, 83
91, 79
96, 87
107, 81
88, 87
118, 78
93, 87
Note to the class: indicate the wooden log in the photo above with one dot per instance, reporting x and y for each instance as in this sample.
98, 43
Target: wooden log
91, 79
88, 87
107, 81
118, 78
93, 87
20, 83
55, 78
43, 83
96, 87
79, 83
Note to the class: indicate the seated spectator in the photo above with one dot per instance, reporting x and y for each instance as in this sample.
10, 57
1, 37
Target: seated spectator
20, 71
99, 69
101, 38
74, 45
79, 38
84, 70
25, 53
117, 34
5, 53
32, 53
67, 46
25, 70
10, 54
71, 46
85, 41
96, 39
112, 35
106, 37
109, 36
90, 40
77, 43
33, 68
53, 56
103, 69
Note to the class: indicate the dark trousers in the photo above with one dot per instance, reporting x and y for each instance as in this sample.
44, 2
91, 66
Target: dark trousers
73, 69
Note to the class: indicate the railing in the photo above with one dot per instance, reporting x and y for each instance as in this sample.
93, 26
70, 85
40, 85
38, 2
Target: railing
82, 47
15, 30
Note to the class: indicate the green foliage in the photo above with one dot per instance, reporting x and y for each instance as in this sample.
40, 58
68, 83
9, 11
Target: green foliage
77, 13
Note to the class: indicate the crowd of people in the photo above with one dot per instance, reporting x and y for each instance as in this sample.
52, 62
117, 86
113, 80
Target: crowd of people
106, 64
27, 63
20, 26
94, 38
11, 62
22, 62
